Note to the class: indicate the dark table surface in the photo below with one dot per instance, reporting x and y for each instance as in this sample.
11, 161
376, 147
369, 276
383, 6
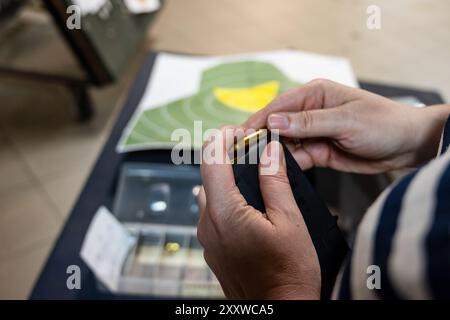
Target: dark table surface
99, 191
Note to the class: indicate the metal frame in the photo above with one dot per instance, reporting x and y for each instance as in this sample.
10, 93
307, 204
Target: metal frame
78, 87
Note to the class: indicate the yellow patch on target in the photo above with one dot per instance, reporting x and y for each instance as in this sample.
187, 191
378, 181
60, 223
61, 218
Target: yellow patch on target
250, 99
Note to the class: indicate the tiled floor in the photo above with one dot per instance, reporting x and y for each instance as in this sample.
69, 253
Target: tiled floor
45, 158
45, 155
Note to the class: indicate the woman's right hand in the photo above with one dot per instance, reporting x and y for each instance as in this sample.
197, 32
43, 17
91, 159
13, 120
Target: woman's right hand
352, 130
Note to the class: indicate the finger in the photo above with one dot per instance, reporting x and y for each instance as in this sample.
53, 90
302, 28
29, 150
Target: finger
322, 153
325, 154
201, 201
313, 153
303, 159
216, 170
317, 94
274, 184
329, 123
292, 100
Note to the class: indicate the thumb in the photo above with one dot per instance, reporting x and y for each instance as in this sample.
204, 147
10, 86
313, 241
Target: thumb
274, 184
310, 123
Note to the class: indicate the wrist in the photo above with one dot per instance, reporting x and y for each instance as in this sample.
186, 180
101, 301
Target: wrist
293, 292
430, 131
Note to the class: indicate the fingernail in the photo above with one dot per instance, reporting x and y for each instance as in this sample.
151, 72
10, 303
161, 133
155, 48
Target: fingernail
277, 121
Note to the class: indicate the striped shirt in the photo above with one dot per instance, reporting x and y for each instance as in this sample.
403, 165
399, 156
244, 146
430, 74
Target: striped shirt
402, 246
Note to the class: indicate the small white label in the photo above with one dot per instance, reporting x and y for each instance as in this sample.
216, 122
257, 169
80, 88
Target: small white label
142, 6
106, 247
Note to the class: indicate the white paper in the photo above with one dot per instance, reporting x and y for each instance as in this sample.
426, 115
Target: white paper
142, 6
89, 6
105, 248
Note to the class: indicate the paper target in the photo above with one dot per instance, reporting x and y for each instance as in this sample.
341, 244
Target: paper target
228, 94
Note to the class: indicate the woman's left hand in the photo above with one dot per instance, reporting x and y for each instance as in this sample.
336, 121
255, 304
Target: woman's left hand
256, 255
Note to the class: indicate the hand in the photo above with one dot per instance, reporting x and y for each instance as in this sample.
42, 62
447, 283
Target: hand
255, 255
352, 130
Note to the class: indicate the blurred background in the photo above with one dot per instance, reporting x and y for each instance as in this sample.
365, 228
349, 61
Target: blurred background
48, 145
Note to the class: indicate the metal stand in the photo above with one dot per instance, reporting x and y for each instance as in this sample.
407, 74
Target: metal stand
78, 87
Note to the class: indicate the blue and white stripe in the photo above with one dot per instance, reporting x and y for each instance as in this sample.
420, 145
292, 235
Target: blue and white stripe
406, 233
